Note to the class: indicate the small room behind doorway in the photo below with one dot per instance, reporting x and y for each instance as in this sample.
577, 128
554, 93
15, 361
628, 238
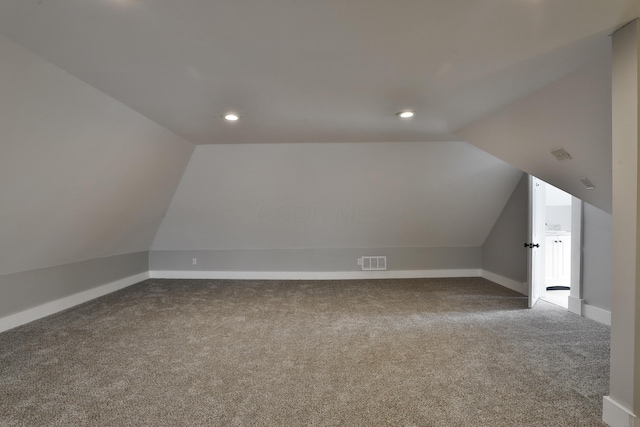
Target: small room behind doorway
557, 246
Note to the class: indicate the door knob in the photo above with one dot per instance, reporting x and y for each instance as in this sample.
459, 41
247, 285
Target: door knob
531, 245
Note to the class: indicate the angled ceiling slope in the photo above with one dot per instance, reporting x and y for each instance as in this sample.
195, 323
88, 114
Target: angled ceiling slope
81, 175
573, 113
315, 71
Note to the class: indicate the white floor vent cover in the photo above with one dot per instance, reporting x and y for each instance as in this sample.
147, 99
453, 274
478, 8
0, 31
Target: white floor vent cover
373, 262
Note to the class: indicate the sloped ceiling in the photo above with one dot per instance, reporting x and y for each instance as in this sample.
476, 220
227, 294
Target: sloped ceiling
95, 117
574, 113
315, 71
81, 175
349, 195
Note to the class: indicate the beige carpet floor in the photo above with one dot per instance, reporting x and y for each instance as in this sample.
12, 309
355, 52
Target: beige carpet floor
420, 352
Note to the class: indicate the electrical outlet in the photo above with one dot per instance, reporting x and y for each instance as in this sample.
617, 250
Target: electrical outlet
359, 261
194, 261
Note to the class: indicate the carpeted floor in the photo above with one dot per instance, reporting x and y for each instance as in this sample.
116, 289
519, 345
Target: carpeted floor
420, 352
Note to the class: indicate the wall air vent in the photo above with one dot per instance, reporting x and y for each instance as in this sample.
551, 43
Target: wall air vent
587, 184
560, 154
369, 263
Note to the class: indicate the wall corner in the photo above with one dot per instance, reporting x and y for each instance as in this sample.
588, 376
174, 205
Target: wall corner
616, 415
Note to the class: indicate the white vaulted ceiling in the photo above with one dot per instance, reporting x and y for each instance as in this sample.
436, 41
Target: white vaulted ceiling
315, 71
86, 174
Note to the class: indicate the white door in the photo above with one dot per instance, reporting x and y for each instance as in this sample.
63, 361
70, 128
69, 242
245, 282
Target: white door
550, 273
535, 244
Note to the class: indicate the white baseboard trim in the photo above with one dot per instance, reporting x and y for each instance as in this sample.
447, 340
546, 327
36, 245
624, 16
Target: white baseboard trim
575, 305
616, 415
506, 282
597, 314
313, 275
47, 309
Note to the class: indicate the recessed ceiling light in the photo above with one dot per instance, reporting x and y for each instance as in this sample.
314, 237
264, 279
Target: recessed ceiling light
231, 117
405, 114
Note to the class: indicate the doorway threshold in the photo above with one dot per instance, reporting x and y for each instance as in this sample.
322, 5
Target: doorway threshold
559, 298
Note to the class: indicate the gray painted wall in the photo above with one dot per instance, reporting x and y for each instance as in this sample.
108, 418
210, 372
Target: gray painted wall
597, 258
82, 176
28, 289
624, 379
315, 260
347, 195
503, 252
256, 207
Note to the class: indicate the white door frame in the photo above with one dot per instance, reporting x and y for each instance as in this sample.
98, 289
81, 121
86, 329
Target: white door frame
575, 301
535, 245
575, 297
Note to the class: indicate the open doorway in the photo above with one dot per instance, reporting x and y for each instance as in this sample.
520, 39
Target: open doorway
557, 246
550, 243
